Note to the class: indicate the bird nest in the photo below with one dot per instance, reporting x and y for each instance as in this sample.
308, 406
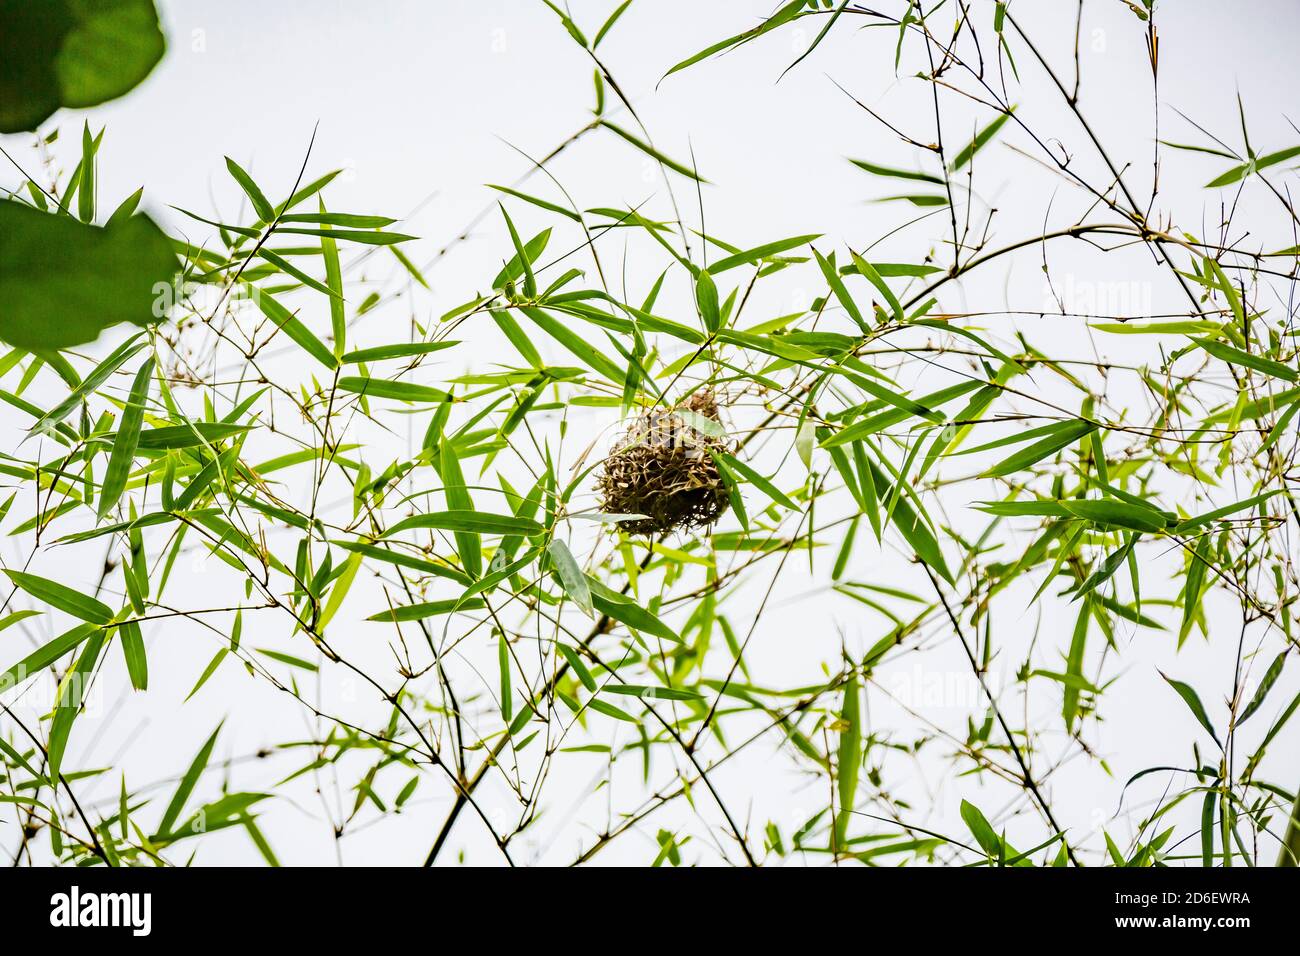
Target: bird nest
663, 473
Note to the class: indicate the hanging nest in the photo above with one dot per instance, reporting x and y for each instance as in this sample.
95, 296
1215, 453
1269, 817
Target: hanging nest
662, 469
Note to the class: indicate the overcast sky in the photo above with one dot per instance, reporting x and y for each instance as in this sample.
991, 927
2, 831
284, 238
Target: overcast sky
423, 103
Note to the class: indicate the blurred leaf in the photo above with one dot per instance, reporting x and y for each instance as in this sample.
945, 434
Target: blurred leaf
71, 53
64, 282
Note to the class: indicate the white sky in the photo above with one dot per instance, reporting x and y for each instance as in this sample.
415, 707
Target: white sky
422, 103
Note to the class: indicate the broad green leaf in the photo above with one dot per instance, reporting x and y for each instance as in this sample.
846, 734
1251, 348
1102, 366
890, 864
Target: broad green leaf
706, 299
911, 526
576, 344
1260, 162
609, 710
74, 54
62, 597
980, 829
64, 282
133, 653
837, 286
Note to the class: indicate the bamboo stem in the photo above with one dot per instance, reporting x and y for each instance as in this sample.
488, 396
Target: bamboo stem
1290, 852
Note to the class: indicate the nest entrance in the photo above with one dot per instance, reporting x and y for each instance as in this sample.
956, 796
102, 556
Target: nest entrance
663, 469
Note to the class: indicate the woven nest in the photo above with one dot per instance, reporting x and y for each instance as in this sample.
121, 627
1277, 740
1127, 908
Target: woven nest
663, 471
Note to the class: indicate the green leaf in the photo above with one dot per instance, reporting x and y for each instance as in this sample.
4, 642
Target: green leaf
1210, 517
979, 142
579, 668
1265, 685
47, 654
541, 203
386, 388
186, 786
576, 344
571, 575
293, 328
1193, 703
754, 478
652, 693
86, 187
339, 219
88, 385
515, 267
63, 282
980, 829
848, 759
609, 23
1116, 514
474, 522
893, 173
427, 609
126, 441
62, 598
750, 256
838, 288
616, 606
785, 14
1157, 328
1060, 436
865, 268
459, 500
261, 205
609, 710
652, 152
401, 350
72, 693
208, 671
911, 526
133, 653
363, 236
186, 436
503, 667
706, 299
1235, 356
1260, 162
